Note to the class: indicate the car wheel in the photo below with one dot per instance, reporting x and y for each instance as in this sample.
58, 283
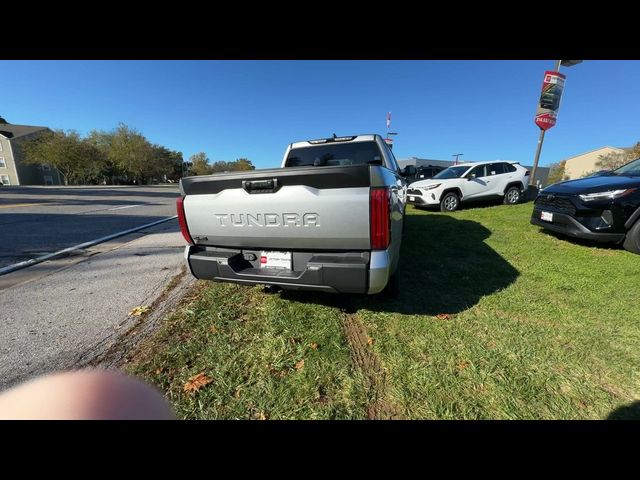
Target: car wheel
512, 196
632, 240
450, 202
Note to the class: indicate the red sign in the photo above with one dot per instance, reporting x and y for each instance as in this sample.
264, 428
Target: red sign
546, 120
550, 97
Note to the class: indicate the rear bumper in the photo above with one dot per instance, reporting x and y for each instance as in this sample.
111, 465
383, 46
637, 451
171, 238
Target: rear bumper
567, 225
350, 272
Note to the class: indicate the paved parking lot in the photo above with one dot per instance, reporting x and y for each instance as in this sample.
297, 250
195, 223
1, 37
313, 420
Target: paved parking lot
39, 220
61, 313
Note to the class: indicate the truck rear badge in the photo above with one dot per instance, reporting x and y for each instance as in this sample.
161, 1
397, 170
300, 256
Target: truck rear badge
268, 220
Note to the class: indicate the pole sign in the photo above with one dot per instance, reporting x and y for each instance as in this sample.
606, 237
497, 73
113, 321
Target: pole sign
389, 142
549, 103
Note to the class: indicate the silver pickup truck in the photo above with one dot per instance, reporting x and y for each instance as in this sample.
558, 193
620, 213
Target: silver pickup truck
330, 219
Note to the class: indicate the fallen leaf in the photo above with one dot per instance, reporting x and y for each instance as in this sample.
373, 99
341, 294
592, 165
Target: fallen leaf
370, 341
158, 371
213, 329
237, 392
313, 345
258, 416
462, 365
137, 311
443, 316
196, 382
300, 364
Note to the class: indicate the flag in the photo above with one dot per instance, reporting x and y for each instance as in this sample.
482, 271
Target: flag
388, 120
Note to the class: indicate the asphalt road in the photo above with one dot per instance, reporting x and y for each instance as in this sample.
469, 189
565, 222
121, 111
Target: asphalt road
39, 220
62, 318
62, 313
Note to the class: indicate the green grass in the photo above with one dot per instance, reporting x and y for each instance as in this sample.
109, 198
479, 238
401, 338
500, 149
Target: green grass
251, 355
495, 319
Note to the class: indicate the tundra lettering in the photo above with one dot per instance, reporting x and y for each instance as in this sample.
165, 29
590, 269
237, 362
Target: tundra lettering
268, 220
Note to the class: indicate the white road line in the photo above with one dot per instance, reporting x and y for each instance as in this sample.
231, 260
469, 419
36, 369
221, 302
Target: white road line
126, 206
49, 256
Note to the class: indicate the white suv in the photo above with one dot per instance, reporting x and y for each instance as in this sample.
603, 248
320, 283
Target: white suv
470, 181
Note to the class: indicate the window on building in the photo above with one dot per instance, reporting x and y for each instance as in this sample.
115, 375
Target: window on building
3, 163
4, 179
46, 168
48, 180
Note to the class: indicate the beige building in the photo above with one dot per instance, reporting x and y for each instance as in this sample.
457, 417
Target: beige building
12, 170
584, 163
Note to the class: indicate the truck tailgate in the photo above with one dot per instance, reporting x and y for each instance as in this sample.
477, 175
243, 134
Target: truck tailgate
317, 208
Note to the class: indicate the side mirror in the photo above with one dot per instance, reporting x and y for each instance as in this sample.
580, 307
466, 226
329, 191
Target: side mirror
471, 176
409, 171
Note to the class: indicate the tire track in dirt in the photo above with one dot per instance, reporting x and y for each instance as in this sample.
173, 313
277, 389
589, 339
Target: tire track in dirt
365, 359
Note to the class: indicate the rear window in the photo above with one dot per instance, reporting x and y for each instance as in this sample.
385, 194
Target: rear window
498, 168
335, 154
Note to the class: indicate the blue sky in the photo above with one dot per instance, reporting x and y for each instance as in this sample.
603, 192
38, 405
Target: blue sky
253, 109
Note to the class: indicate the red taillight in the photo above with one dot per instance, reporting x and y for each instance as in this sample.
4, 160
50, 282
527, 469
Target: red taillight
182, 220
379, 218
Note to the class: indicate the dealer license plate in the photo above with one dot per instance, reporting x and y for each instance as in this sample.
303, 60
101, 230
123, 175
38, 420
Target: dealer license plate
278, 260
546, 216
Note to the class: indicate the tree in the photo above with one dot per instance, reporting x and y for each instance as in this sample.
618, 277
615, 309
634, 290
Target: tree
241, 164
611, 161
93, 163
131, 153
66, 152
167, 162
132, 157
101, 140
634, 152
199, 164
220, 166
557, 172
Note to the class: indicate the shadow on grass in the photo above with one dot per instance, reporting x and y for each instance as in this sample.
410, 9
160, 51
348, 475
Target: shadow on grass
445, 267
626, 412
581, 241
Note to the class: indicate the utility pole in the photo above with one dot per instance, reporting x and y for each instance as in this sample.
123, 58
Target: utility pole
566, 63
456, 155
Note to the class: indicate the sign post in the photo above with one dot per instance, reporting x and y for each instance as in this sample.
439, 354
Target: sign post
548, 106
